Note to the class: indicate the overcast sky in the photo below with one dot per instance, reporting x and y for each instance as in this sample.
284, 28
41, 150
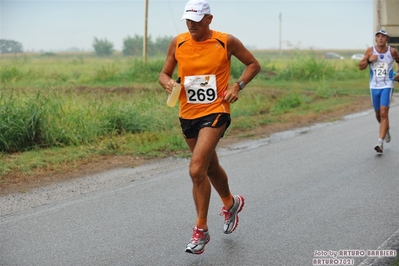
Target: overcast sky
52, 25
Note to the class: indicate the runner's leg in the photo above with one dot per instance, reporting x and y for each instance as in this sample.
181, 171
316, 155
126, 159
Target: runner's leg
203, 153
385, 100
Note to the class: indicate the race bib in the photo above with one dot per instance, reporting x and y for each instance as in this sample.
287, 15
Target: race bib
380, 70
200, 89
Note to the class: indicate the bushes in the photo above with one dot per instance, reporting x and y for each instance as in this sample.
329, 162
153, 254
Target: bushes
78, 71
53, 119
58, 117
19, 124
306, 67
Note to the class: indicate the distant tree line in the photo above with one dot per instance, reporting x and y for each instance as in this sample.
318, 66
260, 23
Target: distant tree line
132, 46
10, 46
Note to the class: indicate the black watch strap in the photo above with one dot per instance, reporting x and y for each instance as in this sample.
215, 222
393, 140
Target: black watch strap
241, 84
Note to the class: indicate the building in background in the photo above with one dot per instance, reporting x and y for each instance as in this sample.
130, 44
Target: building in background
386, 17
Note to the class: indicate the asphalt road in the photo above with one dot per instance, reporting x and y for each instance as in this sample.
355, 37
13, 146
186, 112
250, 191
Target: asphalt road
309, 193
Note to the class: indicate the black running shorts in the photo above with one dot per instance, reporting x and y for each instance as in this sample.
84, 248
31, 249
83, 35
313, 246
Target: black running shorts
191, 127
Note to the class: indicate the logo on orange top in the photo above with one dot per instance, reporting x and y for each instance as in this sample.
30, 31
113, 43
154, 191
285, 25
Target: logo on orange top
206, 81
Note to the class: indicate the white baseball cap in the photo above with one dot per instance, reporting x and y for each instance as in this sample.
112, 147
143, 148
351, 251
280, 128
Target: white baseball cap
195, 10
383, 32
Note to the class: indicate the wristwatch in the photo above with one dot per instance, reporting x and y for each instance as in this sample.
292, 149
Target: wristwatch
241, 84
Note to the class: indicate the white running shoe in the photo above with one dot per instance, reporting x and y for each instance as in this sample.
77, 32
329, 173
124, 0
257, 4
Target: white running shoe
231, 216
387, 137
379, 147
198, 241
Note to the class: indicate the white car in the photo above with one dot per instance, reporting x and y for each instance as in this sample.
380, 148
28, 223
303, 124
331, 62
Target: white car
332, 56
357, 57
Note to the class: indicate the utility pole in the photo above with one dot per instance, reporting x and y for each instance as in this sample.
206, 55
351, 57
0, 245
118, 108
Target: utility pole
280, 22
145, 33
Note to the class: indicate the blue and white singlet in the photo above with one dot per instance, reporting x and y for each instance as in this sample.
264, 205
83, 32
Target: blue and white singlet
381, 70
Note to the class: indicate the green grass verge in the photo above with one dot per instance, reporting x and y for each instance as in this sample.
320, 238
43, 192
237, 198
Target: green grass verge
64, 109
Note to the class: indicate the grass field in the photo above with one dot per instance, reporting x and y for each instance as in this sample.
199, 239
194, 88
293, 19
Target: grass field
59, 111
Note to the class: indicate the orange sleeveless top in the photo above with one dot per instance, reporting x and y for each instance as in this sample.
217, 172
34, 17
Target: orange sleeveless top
204, 68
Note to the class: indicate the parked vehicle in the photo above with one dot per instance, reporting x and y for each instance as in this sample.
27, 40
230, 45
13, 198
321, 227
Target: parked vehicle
332, 56
357, 57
